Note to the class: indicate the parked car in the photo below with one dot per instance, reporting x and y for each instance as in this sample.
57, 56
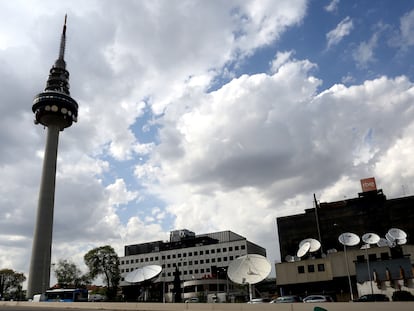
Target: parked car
193, 299
318, 298
402, 295
259, 300
372, 297
287, 299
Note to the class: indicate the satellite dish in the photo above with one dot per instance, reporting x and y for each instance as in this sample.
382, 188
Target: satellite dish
296, 258
397, 234
303, 249
314, 244
401, 241
349, 239
370, 238
289, 258
143, 274
250, 269
383, 242
365, 246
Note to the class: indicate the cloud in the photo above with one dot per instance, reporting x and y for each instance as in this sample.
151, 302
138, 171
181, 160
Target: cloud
403, 38
342, 30
332, 6
364, 53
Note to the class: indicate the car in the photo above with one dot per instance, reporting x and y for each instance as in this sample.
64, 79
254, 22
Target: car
259, 300
191, 300
318, 298
287, 299
372, 297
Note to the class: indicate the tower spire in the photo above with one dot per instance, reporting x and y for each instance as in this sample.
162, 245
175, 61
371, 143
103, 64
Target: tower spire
63, 41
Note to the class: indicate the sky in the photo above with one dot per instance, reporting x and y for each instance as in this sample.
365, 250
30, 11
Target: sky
203, 115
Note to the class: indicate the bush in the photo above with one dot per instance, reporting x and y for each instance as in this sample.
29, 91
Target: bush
402, 295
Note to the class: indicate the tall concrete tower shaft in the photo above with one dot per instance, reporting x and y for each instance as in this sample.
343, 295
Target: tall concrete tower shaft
56, 110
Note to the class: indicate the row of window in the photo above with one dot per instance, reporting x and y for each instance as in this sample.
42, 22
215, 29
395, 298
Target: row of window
184, 255
191, 262
311, 268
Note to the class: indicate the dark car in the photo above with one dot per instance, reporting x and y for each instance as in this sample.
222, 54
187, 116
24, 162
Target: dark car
372, 297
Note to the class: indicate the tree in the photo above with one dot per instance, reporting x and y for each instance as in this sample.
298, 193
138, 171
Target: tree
104, 261
68, 274
11, 283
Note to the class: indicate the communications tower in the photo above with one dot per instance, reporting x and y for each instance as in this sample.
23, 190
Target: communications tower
55, 110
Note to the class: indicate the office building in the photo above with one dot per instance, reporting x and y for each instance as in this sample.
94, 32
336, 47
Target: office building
375, 268
201, 260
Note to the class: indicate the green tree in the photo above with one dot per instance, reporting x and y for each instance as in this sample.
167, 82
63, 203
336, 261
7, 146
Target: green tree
11, 283
68, 274
105, 262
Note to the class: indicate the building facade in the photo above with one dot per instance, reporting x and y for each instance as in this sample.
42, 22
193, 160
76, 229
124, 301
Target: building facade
371, 269
195, 257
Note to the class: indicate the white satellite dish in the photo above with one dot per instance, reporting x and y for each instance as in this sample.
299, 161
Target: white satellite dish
370, 238
401, 241
314, 244
349, 239
289, 258
249, 269
143, 274
303, 249
383, 242
397, 234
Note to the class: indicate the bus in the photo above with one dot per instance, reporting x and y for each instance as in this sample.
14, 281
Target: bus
67, 295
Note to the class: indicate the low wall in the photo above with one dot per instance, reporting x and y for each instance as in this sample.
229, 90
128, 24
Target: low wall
334, 306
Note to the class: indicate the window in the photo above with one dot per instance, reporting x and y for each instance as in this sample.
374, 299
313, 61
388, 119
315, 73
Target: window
361, 258
213, 251
196, 262
163, 257
201, 253
190, 254
311, 268
236, 248
196, 271
207, 260
184, 263
185, 272
146, 259
201, 270
190, 262
168, 256
219, 259
173, 256
213, 259
136, 260
122, 270
224, 249
372, 257
321, 267
201, 261
230, 248
195, 253
179, 255
385, 256
207, 252
141, 260
243, 247
179, 264
301, 269
127, 270
218, 250
224, 258
185, 255
231, 257
122, 262
127, 262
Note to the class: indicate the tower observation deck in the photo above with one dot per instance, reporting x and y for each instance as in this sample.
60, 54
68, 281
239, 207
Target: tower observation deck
56, 110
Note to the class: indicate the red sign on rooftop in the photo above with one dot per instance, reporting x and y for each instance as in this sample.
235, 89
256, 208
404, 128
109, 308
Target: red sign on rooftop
368, 184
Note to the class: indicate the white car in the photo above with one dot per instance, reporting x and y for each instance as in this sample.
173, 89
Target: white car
318, 298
